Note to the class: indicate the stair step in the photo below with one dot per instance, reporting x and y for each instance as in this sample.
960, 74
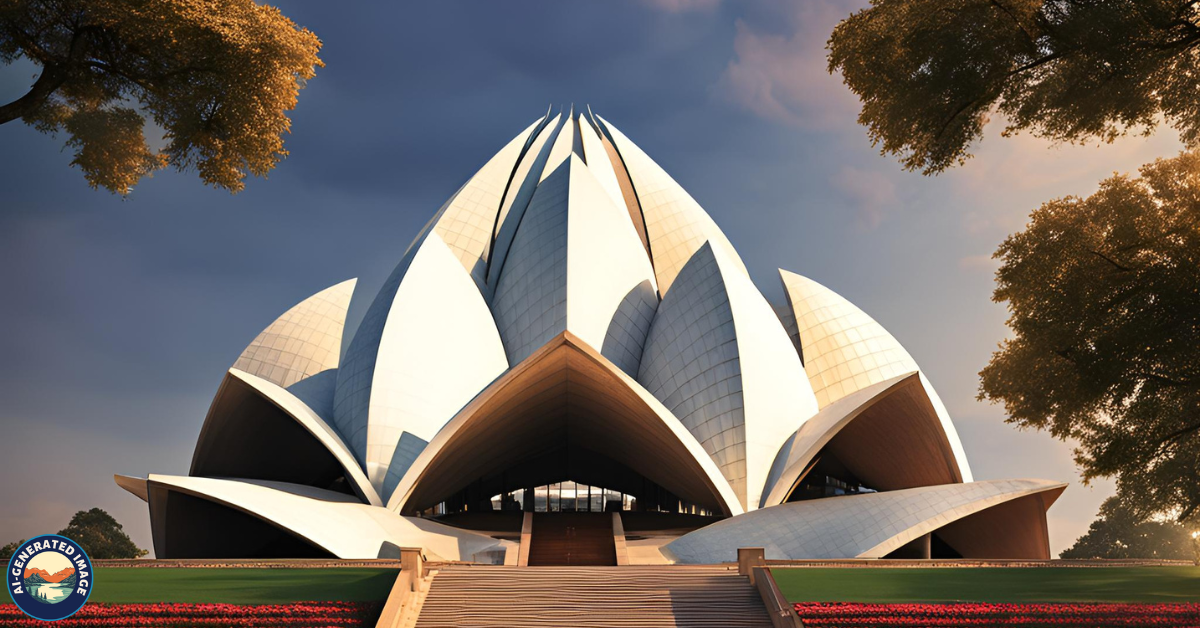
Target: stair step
679, 596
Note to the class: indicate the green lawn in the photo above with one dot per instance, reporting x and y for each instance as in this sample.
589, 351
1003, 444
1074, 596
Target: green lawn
998, 584
239, 585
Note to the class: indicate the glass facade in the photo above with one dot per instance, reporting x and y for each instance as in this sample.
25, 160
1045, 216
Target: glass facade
827, 477
569, 496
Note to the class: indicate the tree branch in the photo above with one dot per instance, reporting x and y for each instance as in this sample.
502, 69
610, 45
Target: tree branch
1172, 437
1039, 62
1019, 69
54, 74
140, 81
953, 116
1124, 269
51, 79
1187, 512
1162, 379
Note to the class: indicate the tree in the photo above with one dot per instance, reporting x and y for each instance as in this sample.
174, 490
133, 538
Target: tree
100, 535
7, 551
217, 75
931, 72
1118, 533
1103, 294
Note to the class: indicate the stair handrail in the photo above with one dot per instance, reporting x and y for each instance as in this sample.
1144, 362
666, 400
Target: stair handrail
781, 612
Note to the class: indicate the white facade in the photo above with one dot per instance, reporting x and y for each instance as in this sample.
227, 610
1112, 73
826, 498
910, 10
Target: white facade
598, 162
719, 359
906, 436
675, 222
650, 416
525, 182
466, 223
845, 350
304, 341
571, 309
316, 425
337, 523
575, 264
431, 355
853, 526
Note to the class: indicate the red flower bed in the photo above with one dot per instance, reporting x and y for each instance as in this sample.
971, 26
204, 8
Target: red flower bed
298, 615
847, 615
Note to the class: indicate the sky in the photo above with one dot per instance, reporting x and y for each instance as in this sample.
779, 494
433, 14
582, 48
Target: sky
121, 315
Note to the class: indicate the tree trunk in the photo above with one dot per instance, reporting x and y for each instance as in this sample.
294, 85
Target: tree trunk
51, 79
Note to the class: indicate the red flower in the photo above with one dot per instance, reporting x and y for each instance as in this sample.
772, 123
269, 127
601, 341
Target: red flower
297, 615
849, 614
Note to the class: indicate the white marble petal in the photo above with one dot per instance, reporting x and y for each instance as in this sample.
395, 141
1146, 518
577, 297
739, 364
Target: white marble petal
316, 425
525, 181
530, 300
901, 444
845, 350
136, 486
465, 224
719, 359
576, 264
675, 222
561, 150
332, 521
304, 341
850, 526
425, 347
657, 419
598, 161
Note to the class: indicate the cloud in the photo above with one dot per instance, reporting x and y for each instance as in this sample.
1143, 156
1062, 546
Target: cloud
778, 73
783, 77
871, 192
1011, 176
682, 6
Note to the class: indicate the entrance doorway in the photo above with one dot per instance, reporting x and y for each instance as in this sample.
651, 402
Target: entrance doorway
572, 538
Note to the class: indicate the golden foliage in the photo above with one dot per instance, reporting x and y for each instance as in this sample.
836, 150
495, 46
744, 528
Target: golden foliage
110, 148
1104, 300
218, 75
931, 72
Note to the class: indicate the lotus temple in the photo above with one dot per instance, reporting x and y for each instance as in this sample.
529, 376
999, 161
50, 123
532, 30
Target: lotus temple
571, 365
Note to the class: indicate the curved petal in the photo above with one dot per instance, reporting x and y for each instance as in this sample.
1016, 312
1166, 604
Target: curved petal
525, 180
425, 347
675, 223
466, 221
563, 146
846, 350
888, 435
304, 341
624, 183
136, 486
332, 522
719, 359
575, 264
256, 429
598, 163
875, 524
566, 392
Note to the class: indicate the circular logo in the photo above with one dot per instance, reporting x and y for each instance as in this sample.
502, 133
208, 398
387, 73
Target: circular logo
49, 577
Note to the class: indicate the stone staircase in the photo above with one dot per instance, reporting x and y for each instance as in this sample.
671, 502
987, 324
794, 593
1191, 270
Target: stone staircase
569, 596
